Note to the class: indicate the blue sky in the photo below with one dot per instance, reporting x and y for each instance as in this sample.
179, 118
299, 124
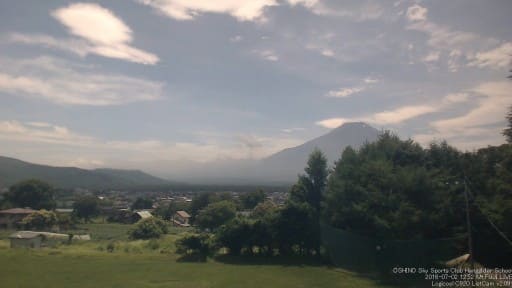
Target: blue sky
158, 83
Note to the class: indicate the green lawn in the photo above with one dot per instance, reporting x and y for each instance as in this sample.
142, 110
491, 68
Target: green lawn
146, 264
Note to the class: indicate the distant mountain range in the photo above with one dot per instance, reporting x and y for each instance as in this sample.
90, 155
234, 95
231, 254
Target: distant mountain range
279, 168
14, 170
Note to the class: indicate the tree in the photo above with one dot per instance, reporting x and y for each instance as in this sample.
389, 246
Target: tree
40, 220
310, 187
201, 245
216, 214
199, 202
32, 193
263, 209
142, 203
235, 235
508, 131
167, 211
251, 199
305, 200
86, 207
149, 228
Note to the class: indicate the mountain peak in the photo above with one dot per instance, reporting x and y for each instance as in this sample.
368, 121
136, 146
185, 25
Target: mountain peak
354, 125
289, 162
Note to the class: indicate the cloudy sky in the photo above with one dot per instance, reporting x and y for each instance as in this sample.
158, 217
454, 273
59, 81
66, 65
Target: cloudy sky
130, 83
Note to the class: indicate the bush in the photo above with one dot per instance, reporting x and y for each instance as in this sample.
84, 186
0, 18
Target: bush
111, 246
148, 229
202, 245
40, 220
153, 244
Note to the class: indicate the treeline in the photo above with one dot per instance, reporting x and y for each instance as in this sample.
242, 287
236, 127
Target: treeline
390, 189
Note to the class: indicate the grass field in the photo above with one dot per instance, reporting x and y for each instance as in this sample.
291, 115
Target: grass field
154, 264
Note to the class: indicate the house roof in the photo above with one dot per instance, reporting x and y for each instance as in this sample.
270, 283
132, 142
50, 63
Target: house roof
144, 214
183, 214
18, 211
64, 210
33, 234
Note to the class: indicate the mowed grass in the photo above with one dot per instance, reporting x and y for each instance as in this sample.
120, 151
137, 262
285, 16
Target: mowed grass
146, 264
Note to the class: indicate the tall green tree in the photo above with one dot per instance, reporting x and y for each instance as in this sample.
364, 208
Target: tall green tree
216, 214
508, 131
32, 193
142, 203
86, 207
310, 186
251, 199
303, 208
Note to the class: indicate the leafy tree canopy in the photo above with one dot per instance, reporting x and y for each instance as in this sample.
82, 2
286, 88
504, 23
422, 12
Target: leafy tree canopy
32, 193
216, 214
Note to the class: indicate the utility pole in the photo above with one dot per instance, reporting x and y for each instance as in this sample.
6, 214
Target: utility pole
468, 223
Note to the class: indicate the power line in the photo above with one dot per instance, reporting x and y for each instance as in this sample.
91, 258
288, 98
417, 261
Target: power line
503, 235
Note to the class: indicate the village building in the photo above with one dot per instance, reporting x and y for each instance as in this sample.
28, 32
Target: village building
11, 218
141, 215
32, 239
181, 219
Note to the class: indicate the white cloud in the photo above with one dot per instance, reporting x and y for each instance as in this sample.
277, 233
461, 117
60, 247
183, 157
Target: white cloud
344, 92
291, 130
85, 151
481, 125
491, 109
333, 122
371, 80
243, 10
400, 114
442, 37
366, 12
64, 83
417, 13
14, 130
267, 54
97, 30
455, 98
431, 57
499, 57
236, 38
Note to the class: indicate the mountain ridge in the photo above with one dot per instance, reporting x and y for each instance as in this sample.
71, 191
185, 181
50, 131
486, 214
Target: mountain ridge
13, 170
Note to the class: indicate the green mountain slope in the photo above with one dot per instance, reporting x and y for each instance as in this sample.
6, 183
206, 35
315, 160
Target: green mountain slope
14, 170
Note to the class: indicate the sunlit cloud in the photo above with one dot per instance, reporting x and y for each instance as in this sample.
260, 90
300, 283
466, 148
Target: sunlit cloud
62, 82
97, 31
344, 92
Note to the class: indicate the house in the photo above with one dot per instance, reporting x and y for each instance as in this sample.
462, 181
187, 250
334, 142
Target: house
140, 215
11, 218
181, 219
26, 239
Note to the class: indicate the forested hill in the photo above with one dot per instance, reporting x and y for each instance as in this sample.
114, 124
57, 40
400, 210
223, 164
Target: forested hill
13, 170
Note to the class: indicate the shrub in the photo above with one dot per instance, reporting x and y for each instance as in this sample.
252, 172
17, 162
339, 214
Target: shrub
111, 246
148, 229
201, 245
40, 220
153, 244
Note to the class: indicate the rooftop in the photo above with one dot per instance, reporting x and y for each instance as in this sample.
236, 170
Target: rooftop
18, 211
183, 214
